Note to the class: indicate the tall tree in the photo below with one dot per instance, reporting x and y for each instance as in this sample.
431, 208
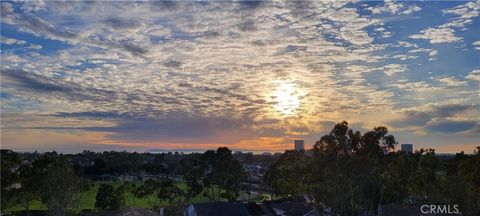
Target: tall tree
109, 198
29, 190
290, 174
344, 172
157, 191
59, 188
10, 161
228, 173
194, 180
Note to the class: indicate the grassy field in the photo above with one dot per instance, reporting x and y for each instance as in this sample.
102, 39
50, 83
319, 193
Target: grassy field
87, 199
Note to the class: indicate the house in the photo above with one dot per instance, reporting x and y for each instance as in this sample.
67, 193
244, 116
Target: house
216, 209
290, 207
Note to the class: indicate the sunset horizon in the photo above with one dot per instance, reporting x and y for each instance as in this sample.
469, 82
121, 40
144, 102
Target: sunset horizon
239, 108
247, 75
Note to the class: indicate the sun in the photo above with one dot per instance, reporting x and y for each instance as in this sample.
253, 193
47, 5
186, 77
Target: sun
286, 98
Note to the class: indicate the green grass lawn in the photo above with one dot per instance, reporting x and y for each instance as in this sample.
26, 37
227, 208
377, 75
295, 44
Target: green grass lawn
87, 199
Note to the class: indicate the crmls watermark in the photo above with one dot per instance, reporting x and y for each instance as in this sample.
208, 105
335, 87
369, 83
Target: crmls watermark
440, 209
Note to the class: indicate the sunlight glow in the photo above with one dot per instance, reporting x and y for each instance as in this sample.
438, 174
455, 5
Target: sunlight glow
286, 98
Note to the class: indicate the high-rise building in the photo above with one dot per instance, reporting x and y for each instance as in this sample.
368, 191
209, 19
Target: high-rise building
299, 145
407, 148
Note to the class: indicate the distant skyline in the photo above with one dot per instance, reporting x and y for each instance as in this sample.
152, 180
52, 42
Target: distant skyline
247, 75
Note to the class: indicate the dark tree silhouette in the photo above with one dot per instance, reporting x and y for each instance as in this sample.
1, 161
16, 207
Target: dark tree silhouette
109, 198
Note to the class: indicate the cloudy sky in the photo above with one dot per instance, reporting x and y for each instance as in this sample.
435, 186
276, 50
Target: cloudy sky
247, 75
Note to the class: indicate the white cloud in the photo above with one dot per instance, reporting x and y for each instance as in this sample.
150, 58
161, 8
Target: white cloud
437, 35
33, 6
394, 7
445, 33
474, 75
412, 9
357, 37
35, 46
188, 60
465, 14
431, 52
12, 41
387, 34
391, 69
452, 81
476, 44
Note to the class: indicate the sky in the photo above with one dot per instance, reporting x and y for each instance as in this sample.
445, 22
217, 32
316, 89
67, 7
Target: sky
251, 76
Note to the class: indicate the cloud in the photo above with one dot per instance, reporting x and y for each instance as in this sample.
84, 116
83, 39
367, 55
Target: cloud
443, 118
37, 87
12, 41
394, 7
474, 75
39, 26
357, 37
179, 127
33, 6
452, 81
464, 14
476, 44
450, 126
35, 46
157, 72
33, 81
445, 33
6, 8
420, 86
437, 35
391, 69
174, 64
120, 23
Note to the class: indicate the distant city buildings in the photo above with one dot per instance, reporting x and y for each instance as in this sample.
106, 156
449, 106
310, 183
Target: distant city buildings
299, 145
407, 148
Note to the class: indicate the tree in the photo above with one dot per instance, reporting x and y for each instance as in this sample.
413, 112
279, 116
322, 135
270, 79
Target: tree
157, 191
59, 188
126, 188
463, 187
344, 172
426, 182
290, 174
207, 160
10, 161
227, 173
29, 190
398, 177
194, 179
109, 198
355, 173
214, 168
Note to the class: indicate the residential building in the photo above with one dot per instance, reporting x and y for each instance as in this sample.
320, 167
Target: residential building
216, 209
407, 148
299, 145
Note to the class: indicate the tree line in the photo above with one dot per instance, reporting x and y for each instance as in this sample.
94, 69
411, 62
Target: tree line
212, 169
354, 173
51, 179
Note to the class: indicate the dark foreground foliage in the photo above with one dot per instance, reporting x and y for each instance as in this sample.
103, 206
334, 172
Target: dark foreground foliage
352, 173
